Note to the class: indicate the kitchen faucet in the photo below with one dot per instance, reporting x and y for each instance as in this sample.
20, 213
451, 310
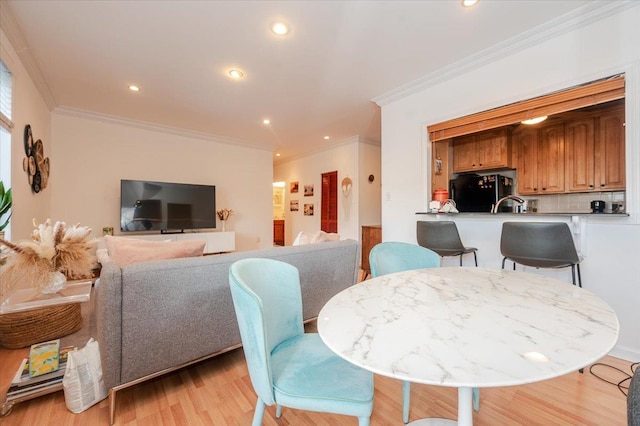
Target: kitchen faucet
494, 209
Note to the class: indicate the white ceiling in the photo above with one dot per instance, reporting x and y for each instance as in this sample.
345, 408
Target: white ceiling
319, 80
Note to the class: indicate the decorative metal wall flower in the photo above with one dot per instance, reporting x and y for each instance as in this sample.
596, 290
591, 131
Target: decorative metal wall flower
55, 252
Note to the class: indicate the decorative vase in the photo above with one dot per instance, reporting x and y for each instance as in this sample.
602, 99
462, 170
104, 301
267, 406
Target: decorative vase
224, 225
56, 282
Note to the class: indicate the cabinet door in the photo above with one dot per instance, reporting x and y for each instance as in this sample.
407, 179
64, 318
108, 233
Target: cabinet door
527, 141
551, 159
464, 154
580, 151
371, 235
493, 149
611, 150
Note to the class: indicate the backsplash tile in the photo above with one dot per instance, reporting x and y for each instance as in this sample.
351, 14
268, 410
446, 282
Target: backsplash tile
576, 203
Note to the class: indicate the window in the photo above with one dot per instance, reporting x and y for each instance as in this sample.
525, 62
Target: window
5, 98
5, 130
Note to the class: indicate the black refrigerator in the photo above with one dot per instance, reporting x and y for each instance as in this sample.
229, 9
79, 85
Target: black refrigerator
475, 193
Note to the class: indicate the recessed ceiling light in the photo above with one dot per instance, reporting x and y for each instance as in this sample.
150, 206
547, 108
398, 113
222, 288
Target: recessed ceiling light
326, 138
278, 154
236, 74
134, 88
266, 121
469, 3
534, 120
280, 28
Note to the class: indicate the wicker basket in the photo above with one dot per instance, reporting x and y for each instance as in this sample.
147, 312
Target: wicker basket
22, 329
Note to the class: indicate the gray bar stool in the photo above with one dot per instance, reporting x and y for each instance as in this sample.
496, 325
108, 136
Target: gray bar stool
443, 238
540, 245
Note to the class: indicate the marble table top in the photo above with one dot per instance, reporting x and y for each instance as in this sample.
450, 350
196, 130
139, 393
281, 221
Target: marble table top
468, 327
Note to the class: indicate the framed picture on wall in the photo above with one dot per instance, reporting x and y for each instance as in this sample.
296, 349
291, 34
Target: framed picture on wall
293, 187
293, 205
308, 190
308, 209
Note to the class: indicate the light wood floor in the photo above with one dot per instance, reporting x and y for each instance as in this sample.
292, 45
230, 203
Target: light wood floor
219, 392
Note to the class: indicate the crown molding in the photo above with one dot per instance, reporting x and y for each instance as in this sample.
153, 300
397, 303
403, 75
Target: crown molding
580, 17
154, 127
14, 34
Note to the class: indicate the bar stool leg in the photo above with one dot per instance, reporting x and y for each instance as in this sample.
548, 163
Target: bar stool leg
579, 277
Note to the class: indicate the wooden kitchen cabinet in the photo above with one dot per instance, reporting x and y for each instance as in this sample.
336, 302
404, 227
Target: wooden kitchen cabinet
527, 166
541, 160
551, 174
580, 152
610, 151
595, 150
482, 151
371, 235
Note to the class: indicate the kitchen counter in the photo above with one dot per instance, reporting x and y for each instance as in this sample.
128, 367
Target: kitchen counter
530, 214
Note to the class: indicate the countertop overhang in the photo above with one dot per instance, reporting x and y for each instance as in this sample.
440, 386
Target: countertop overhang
527, 214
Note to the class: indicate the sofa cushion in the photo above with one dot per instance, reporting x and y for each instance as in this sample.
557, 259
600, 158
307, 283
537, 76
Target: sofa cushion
323, 237
125, 251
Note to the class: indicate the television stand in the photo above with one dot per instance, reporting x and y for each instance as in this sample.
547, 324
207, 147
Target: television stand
163, 232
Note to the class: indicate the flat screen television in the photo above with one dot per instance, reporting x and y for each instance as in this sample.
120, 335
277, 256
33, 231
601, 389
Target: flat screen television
165, 206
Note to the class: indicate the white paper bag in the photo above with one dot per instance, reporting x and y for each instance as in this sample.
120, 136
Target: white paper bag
83, 384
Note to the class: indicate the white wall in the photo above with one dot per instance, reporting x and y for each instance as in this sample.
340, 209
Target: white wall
28, 108
352, 158
369, 192
608, 46
91, 156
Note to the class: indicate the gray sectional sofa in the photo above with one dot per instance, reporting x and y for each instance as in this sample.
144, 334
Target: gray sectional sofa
155, 317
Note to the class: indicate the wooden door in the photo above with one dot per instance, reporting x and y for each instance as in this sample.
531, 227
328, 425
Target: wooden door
580, 151
551, 159
278, 232
611, 150
329, 202
527, 141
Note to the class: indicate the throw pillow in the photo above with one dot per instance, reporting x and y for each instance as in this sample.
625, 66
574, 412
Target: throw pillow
321, 237
301, 239
125, 251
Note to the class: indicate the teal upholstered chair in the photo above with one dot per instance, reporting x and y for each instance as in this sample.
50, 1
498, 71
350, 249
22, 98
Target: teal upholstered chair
389, 257
287, 366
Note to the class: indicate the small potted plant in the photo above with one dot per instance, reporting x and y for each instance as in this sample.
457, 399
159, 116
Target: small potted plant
223, 215
5, 214
5, 207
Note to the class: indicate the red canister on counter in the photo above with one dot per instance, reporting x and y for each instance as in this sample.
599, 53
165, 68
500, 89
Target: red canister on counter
440, 195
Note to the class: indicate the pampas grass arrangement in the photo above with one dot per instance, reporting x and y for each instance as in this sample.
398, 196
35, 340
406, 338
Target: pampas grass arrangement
54, 248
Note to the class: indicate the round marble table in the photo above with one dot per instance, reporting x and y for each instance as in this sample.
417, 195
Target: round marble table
468, 327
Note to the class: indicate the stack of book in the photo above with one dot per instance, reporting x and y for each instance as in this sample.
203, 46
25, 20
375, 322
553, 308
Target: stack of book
24, 384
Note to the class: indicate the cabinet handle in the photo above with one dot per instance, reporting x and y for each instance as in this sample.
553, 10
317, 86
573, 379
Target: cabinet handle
480, 164
602, 184
544, 189
590, 186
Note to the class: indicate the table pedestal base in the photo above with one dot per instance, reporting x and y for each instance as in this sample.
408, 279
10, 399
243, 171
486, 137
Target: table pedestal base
433, 422
465, 412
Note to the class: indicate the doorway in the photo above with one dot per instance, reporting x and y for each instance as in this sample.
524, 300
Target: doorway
278, 213
329, 202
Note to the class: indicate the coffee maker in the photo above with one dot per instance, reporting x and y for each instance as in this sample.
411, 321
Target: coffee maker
597, 206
